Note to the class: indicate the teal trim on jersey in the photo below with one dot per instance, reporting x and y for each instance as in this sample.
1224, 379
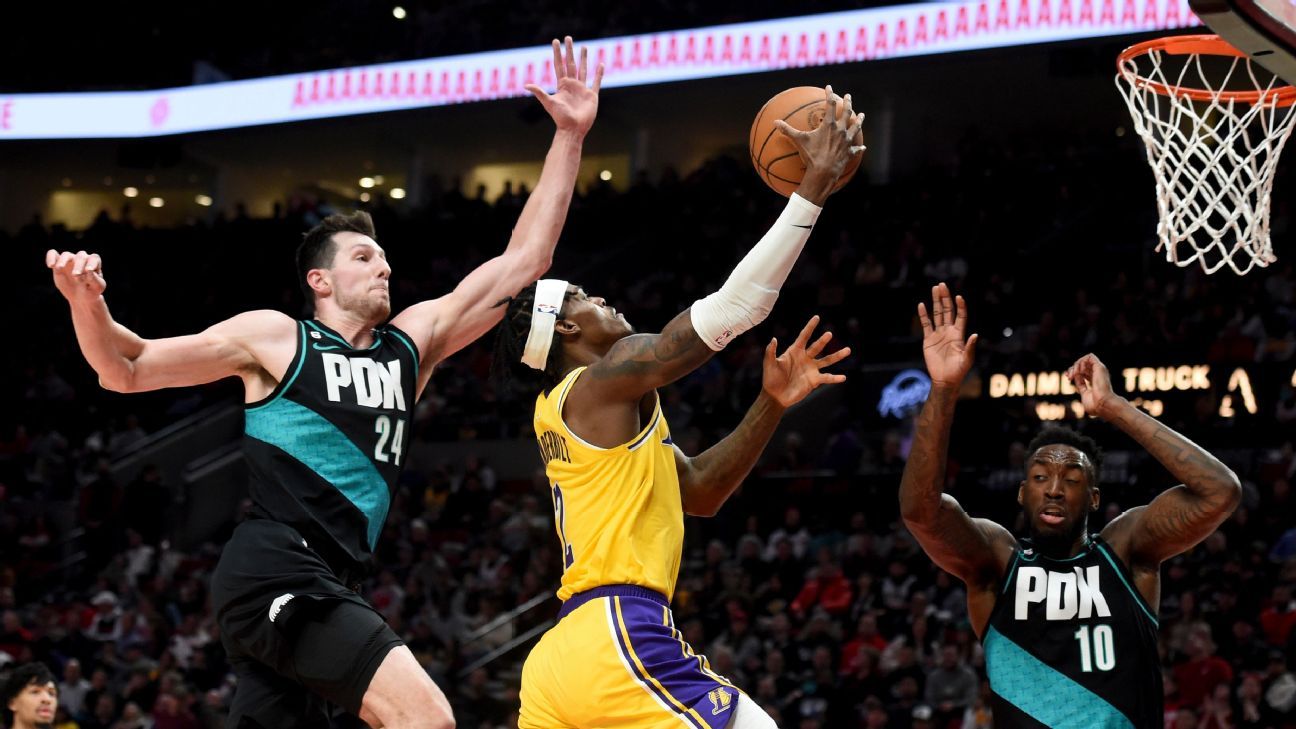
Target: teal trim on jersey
320, 446
325, 347
1089, 545
400, 337
1138, 598
318, 327
330, 335
1012, 569
283, 386
1046, 694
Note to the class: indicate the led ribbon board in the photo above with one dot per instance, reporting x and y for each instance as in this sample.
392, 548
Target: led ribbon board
1251, 388
814, 40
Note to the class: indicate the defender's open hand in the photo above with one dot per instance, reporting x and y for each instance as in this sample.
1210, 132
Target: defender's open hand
573, 105
948, 355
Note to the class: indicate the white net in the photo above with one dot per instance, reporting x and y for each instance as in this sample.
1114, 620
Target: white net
1214, 127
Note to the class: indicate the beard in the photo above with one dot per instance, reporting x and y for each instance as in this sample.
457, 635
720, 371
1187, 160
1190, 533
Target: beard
368, 307
1059, 541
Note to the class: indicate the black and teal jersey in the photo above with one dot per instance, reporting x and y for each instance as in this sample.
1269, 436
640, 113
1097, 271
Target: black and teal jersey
1071, 644
325, 448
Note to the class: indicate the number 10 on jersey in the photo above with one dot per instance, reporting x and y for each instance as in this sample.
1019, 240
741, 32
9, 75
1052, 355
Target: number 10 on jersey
1097, 648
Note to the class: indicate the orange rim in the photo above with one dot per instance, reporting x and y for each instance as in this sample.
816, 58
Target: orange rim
1203, 45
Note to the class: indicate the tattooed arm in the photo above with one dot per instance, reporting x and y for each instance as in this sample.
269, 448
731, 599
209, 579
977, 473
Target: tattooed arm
974, 550
1180, 517
971, 549
640, 363
709, 478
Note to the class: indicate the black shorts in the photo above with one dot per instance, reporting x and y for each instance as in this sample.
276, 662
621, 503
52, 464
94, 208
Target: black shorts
296, 637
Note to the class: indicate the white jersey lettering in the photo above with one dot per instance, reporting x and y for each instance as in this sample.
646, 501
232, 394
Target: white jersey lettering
1066, 595
364, 376
1032, 584
1090, 596
337, 374
374, 384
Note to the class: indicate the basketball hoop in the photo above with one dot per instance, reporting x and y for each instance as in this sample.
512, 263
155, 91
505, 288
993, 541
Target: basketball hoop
1213, 129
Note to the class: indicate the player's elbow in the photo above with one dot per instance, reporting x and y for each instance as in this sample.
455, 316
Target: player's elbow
915, 513
1231, 490
706, 511
698, 502
122, 383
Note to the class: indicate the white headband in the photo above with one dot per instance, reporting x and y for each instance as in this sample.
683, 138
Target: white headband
549, 296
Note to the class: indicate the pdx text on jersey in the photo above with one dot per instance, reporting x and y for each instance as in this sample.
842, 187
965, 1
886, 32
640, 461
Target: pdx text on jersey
374, 384
1066, 595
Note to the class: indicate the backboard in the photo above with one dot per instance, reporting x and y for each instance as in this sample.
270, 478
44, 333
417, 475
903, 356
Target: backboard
1264, 29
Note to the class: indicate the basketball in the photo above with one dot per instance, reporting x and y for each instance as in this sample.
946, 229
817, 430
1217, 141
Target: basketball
774, 155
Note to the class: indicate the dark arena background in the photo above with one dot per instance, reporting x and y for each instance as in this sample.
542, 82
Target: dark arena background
192, 146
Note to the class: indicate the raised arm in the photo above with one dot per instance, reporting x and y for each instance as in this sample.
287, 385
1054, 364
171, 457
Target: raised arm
974, 550
641, 363
126, 362
710, 478
443, 326
1178, 518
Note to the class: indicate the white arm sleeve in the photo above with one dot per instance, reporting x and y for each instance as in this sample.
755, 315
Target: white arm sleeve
747, 297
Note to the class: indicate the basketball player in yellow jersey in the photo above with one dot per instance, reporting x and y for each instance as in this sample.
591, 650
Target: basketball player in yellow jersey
621, 488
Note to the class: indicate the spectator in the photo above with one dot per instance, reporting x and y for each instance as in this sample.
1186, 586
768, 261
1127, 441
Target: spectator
1279, 617
793, 531
105, 623
1280, 687
952, 686
171, 713
15, 639
123, 440
104, 715
827, 589
74, 688
133, 717
30, 697
1198, 676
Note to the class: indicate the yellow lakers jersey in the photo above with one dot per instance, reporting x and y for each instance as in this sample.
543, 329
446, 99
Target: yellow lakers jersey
617, 510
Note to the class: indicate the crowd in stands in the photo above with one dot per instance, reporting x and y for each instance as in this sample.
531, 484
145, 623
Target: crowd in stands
806, 589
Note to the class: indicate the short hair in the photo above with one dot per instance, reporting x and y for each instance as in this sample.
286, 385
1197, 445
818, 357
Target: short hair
1055, 435
318, 247
22, 677
511, 376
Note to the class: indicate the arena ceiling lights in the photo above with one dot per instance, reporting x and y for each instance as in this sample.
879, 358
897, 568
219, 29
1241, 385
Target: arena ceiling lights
813, 40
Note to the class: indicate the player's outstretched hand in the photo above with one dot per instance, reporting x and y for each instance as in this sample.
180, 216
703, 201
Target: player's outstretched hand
826, 149
1093, 382
573, 105
948, 355
790, 376
78, 276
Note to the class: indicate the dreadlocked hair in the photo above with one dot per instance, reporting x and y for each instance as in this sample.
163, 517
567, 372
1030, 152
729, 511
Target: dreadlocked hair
1055, 435
511, 376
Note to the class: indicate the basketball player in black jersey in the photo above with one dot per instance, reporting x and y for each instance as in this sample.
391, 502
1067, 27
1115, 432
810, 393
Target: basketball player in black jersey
328, 407
1068, 618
